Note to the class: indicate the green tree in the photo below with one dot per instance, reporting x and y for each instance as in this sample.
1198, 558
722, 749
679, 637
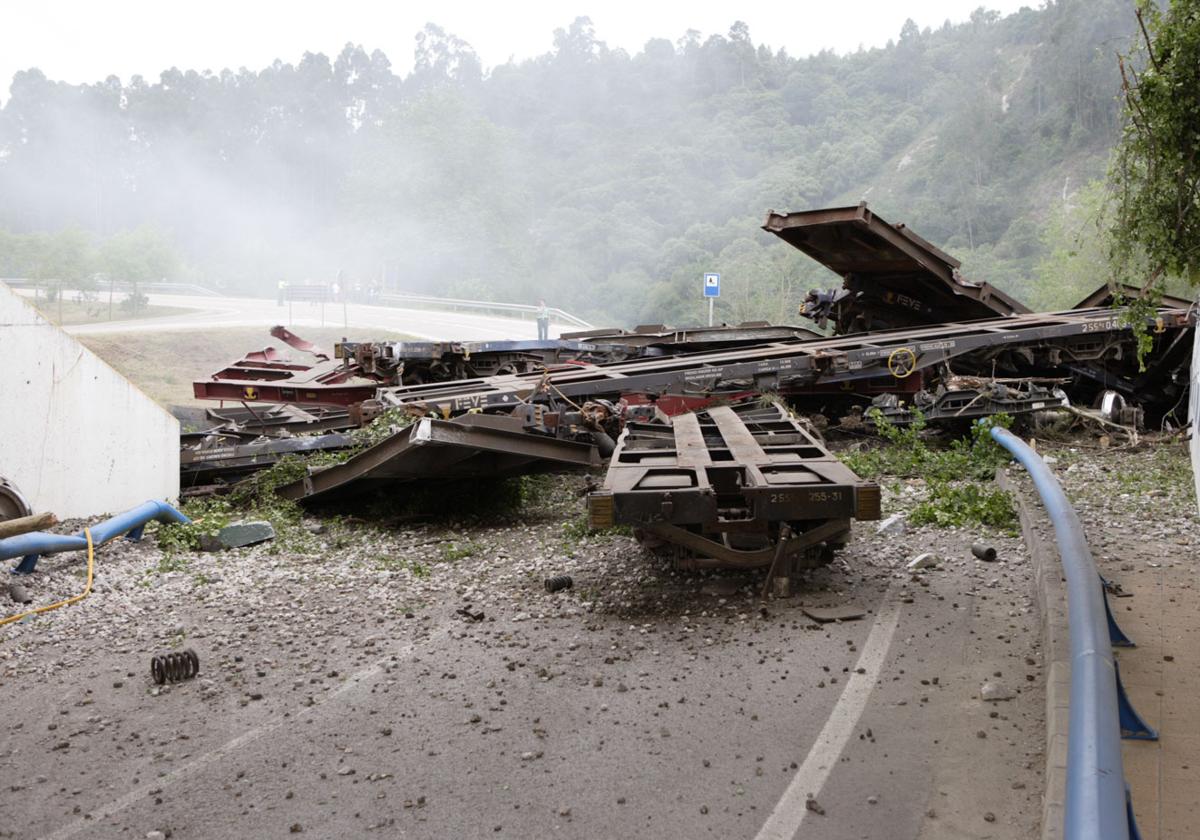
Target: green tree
139, 256
1077, 246
1156, 167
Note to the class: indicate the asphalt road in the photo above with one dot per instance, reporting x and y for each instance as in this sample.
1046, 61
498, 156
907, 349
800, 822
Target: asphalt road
642, 703
215, 312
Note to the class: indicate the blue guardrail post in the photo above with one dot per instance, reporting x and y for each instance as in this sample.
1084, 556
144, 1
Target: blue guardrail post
1097, 798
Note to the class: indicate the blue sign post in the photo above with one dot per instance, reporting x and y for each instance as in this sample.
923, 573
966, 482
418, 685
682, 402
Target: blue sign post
712, 291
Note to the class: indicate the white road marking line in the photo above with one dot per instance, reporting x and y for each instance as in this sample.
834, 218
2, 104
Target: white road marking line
248, 737
789, 812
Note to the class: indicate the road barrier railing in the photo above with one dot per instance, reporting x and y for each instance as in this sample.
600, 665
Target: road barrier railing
1097, 802
522, 310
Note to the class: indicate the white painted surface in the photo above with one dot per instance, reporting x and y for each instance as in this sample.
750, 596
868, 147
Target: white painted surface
789, 813
76, 437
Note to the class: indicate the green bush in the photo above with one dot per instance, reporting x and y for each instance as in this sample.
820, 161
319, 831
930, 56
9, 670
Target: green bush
905, 454
955, 495
965, 503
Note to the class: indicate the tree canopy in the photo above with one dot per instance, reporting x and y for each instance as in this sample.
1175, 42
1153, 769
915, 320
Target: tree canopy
605, 182
1156, 168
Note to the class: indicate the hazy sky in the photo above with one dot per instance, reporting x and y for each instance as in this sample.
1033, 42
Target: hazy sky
86, 40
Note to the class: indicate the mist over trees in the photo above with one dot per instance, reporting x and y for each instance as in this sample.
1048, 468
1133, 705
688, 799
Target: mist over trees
605, 182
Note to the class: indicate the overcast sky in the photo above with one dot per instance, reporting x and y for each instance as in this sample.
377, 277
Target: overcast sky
87, 40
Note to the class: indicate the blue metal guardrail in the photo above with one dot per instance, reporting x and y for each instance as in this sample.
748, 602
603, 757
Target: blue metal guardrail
132, 522
1097, 799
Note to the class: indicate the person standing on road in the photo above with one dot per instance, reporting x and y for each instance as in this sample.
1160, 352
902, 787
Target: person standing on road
543, 321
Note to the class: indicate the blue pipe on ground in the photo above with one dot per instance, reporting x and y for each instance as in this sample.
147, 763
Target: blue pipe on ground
32, 546
1095, 806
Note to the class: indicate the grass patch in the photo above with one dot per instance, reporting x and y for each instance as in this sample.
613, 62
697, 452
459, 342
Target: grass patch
450, 552
90, 312
1167, 469
252, 499
905, 454
574, 530
955, 475
963, 504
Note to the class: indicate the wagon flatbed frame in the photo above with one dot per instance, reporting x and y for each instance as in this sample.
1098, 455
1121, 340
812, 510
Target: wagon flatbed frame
740, 487
1055, 340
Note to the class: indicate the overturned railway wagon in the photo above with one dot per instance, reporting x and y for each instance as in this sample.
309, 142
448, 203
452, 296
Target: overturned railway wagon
733, 486
890, 276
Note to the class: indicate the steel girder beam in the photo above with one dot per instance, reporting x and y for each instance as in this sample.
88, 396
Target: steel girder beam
469, 447
1061, 337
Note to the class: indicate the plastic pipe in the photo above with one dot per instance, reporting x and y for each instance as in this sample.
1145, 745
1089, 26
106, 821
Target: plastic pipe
1095, 806
33, 545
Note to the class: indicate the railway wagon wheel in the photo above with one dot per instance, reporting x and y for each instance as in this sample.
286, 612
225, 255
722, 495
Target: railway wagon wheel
12, 503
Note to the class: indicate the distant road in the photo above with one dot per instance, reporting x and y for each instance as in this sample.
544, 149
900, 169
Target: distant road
222, 312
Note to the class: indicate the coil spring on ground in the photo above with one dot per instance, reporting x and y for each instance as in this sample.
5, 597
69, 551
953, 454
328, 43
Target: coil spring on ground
175, 666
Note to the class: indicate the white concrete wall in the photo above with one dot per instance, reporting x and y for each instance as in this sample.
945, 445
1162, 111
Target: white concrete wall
76, 437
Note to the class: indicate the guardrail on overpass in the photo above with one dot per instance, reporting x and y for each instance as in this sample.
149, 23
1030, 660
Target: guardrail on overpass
323, 293
521, 309
1097, 800
101, 287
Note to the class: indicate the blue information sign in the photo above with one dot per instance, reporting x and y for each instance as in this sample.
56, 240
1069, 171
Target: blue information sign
712, 285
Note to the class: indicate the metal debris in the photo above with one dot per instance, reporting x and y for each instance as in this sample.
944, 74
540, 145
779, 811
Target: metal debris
739, 487
558, 583
984, 552
824, 615
175, 666
891, 277
1089, 345
241, 534
12, 503
470, 446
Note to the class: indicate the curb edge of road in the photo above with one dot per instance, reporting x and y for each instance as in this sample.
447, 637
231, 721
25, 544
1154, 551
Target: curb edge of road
1052, 606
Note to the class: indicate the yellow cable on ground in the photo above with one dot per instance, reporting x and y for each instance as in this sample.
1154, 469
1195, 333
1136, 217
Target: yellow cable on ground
87, 532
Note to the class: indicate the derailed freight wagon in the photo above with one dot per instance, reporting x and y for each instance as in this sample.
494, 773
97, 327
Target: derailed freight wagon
743, 486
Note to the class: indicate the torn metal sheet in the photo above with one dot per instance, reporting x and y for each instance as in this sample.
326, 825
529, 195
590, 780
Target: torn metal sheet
292, 340
824, 615
891, 277
742, 487
468, 447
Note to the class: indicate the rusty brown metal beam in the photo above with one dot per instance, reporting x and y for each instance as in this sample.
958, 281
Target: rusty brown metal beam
472, 446
893, 355
891, 276
722, 483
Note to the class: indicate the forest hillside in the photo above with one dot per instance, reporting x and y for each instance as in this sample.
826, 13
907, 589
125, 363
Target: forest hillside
603, 181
